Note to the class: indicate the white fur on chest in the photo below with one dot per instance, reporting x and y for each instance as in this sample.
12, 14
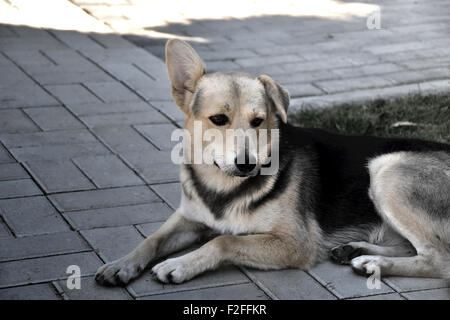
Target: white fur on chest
234, 221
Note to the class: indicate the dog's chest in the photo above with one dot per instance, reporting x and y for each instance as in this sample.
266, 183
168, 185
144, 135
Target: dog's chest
235, 219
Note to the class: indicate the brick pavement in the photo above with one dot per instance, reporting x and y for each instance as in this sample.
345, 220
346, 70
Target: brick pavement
84, 148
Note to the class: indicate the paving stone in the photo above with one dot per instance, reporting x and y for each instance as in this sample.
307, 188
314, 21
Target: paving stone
332, 86
260, 61
147, 229
4, 232
73, 94
107, 198
31, 216
301, 90
88, 109
29, 95
107, 171
227, 275
5, 157
31, 292
12, 171
13, 120
208, 55
436, 294
159, 135
112, 92
22, 272
170, 109
154, 167
150, 116
18, 188
58, 152
59, 176
389, 296
53, 118
365, 70
77, 136
113, 243
343, 282
42, 245
402, 284
246, 291
90, 290
69, 75
290, 285
124, 139
170, 193
119, 216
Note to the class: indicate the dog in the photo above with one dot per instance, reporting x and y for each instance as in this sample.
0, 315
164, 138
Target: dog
369, 202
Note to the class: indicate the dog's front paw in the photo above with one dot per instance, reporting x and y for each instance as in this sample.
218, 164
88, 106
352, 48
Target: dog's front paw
118, 272
345, 253
175, 270
367, 265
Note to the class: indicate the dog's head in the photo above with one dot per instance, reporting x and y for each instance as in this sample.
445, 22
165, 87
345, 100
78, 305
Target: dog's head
226, 100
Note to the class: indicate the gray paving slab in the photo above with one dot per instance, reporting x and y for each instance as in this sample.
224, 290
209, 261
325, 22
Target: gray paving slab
89, 109
114, 119
113, 243
123, 138
436, 294
42, 245
106, 198
112, 92
13, 120
53, 118
170, 109
245, 291
18, 188
72, 94
290, 285
170, 193
31, 292
22, 272
32, 216
59, 176
5, 156
388, 296
159, 135
107, 171
90, 290
118, 216
402, 284
28, 95
154, 167
12, 171
59, 137
146, 285
343, 282
4, 231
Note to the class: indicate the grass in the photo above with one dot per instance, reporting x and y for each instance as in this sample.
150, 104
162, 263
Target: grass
415, 116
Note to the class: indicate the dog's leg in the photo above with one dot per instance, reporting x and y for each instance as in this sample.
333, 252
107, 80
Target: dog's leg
175, 234
403, 191
345, 253
262, 251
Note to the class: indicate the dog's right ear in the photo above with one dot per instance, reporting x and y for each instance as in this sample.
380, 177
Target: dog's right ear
185, 69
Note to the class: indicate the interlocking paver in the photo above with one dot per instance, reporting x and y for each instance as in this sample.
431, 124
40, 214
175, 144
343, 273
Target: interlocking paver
113, 243
36, 270
290, 285
90, 290
31, 292
53, 118
72, 93
18, 188
119, 216
343, 282
107, 198
12, 171
413, 284
77, 136
170, 193
59, 176
13, 120
158, 134
42, 245
5, 157
149, 116
436, 294
112, 92
239, 291
31, 216
107, 171
4, 232
124, 139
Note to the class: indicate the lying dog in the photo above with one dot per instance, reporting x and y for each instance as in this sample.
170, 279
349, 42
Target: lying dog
365, 201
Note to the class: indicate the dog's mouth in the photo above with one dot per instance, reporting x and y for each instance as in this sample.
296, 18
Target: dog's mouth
236, 173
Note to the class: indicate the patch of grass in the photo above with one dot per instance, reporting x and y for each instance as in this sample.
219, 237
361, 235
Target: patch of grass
415, 116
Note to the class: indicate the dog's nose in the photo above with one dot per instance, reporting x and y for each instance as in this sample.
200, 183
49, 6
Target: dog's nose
247, 166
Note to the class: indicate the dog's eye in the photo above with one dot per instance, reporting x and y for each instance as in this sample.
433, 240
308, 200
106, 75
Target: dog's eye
219, 119
256, 122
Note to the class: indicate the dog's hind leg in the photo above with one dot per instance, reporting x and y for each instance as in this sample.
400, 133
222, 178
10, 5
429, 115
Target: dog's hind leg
175, 234
410, 192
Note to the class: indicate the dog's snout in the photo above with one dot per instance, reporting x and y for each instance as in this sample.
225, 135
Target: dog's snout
247, 165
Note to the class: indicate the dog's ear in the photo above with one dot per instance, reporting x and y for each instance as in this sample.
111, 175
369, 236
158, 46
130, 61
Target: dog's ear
185, 68
277, 95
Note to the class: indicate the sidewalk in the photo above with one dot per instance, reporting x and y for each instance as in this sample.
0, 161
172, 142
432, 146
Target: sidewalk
85, 117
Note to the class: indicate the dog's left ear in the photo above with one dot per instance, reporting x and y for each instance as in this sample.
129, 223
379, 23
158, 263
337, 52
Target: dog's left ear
277, 95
